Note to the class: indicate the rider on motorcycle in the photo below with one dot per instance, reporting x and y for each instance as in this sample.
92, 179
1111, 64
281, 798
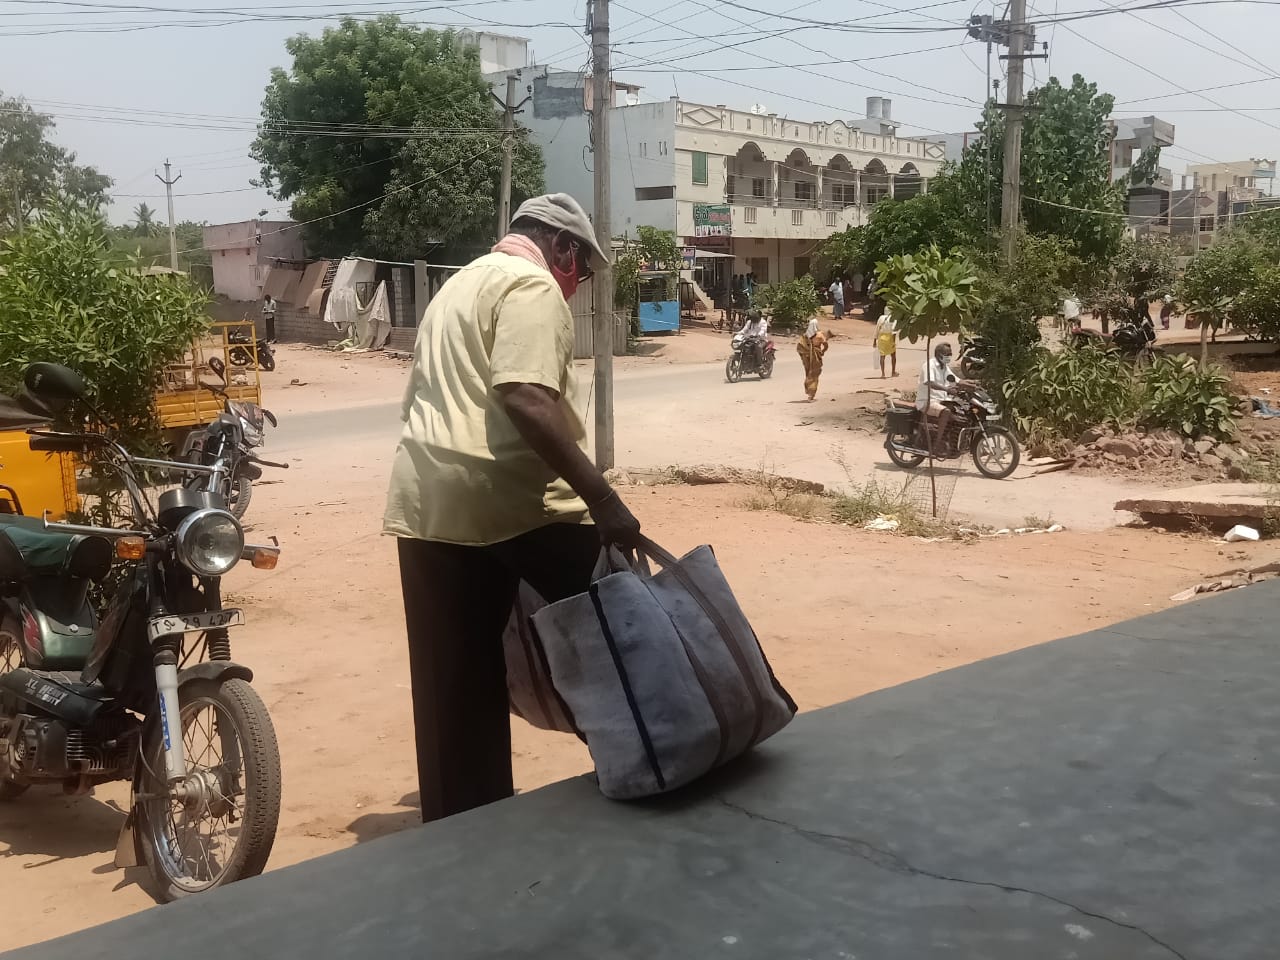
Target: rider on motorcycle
937, 381
754, 335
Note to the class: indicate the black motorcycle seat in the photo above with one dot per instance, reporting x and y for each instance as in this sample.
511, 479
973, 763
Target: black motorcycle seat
28, 549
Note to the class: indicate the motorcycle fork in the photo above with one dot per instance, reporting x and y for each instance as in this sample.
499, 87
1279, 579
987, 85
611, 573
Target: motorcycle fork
164, 660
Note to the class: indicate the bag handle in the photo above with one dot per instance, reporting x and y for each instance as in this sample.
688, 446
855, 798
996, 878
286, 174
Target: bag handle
614, 559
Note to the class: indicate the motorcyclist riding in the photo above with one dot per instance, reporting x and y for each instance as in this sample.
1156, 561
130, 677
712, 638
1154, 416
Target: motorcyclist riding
754, 335
937, 380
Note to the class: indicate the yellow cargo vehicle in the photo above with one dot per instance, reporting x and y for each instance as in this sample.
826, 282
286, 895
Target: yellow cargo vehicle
182, 404
33, 482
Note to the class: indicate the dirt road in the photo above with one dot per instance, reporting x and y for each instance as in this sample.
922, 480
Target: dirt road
840, 612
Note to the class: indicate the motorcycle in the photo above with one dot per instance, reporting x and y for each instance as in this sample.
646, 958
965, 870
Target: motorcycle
230, 440
247, 350
1133, 337
973, 356
149, 693
973, 427
742, 361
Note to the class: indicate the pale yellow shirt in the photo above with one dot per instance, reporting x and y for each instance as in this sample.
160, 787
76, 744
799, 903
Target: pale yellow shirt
462, 473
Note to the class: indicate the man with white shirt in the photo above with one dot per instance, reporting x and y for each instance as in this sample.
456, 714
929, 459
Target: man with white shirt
754, 333
936, 381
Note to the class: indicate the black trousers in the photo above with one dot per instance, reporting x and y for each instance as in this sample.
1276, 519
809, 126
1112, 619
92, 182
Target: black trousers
457, 600
271, 327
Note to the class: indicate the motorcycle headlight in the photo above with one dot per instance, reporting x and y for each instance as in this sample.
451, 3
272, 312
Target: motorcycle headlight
209, 542
252, 435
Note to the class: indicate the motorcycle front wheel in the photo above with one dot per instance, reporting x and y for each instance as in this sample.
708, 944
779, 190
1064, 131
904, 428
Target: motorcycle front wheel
225, 829
266, 360
733, 370
238, 496
908, 461
996, 453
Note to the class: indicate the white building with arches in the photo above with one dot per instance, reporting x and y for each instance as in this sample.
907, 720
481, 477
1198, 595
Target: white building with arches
763, 188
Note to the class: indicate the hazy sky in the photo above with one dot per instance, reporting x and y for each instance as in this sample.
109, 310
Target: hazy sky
172, 82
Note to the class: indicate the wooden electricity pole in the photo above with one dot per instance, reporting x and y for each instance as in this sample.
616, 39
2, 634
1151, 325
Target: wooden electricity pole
602, 284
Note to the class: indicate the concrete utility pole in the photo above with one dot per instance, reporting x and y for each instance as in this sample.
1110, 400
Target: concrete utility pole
602, 288
173, 233
509, 110
1011, 195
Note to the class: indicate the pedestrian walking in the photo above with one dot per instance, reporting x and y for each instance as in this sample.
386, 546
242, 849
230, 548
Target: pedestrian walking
491, 485
1166, 311
887, 340
812, 347
269, 317
837, 298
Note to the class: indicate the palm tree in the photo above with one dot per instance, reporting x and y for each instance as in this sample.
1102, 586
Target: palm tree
144, 221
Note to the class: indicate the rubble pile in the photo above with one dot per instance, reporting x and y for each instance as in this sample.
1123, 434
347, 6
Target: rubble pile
1104, 448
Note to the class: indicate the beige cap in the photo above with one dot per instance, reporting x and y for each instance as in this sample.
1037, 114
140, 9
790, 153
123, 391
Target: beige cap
561, 211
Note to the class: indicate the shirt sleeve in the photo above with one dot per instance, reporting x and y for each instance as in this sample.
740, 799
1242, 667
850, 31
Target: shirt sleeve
532, 336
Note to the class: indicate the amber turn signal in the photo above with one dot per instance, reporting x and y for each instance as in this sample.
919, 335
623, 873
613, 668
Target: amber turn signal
130, 548
265, 559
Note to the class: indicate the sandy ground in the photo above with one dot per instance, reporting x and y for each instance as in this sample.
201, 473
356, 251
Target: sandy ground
840, 612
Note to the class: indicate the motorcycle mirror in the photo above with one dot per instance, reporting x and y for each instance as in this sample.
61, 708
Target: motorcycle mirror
53, 382
270, 416
219, 368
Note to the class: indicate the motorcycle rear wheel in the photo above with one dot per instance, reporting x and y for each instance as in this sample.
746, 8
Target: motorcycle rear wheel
733, 369
226, 722
766, 369
240, 357
908, 461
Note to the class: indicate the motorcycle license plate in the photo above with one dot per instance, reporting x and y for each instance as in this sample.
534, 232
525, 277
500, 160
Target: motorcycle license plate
193, 622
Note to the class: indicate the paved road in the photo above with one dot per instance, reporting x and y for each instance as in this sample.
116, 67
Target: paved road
684, 414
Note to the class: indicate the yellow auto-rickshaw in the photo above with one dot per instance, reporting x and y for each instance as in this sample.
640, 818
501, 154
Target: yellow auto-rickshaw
32, 482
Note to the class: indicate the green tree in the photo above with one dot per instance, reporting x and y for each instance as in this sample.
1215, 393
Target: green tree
381, 194
64, 299
144, 221
930, 293
1066, 167
34, 170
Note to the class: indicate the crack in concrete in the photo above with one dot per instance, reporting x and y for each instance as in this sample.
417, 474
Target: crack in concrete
888, 860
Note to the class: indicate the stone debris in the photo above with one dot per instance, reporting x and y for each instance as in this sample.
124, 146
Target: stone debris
710, 473
1235, 581
1163, 451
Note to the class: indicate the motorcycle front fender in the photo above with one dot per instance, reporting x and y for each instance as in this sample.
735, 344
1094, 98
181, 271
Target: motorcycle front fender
215, 670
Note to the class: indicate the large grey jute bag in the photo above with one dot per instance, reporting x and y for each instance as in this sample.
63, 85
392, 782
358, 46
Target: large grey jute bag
660, 673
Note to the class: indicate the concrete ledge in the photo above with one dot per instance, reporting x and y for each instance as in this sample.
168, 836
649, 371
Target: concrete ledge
1227, 501
1110, 796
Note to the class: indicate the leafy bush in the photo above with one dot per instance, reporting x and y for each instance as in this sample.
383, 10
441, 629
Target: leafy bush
1257, 309
1061, 394
1178, 395
790, 303
63, 300
930, 293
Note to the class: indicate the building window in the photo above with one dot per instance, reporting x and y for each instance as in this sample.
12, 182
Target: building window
644, 149
876, 194
832, 218
844, 194
803, 190
699, 167
1206, 224
662, 148
797, 218
749, 214
757, 188
655, 193
730, 185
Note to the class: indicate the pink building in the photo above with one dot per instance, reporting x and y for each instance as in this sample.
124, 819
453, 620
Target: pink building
243, 253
